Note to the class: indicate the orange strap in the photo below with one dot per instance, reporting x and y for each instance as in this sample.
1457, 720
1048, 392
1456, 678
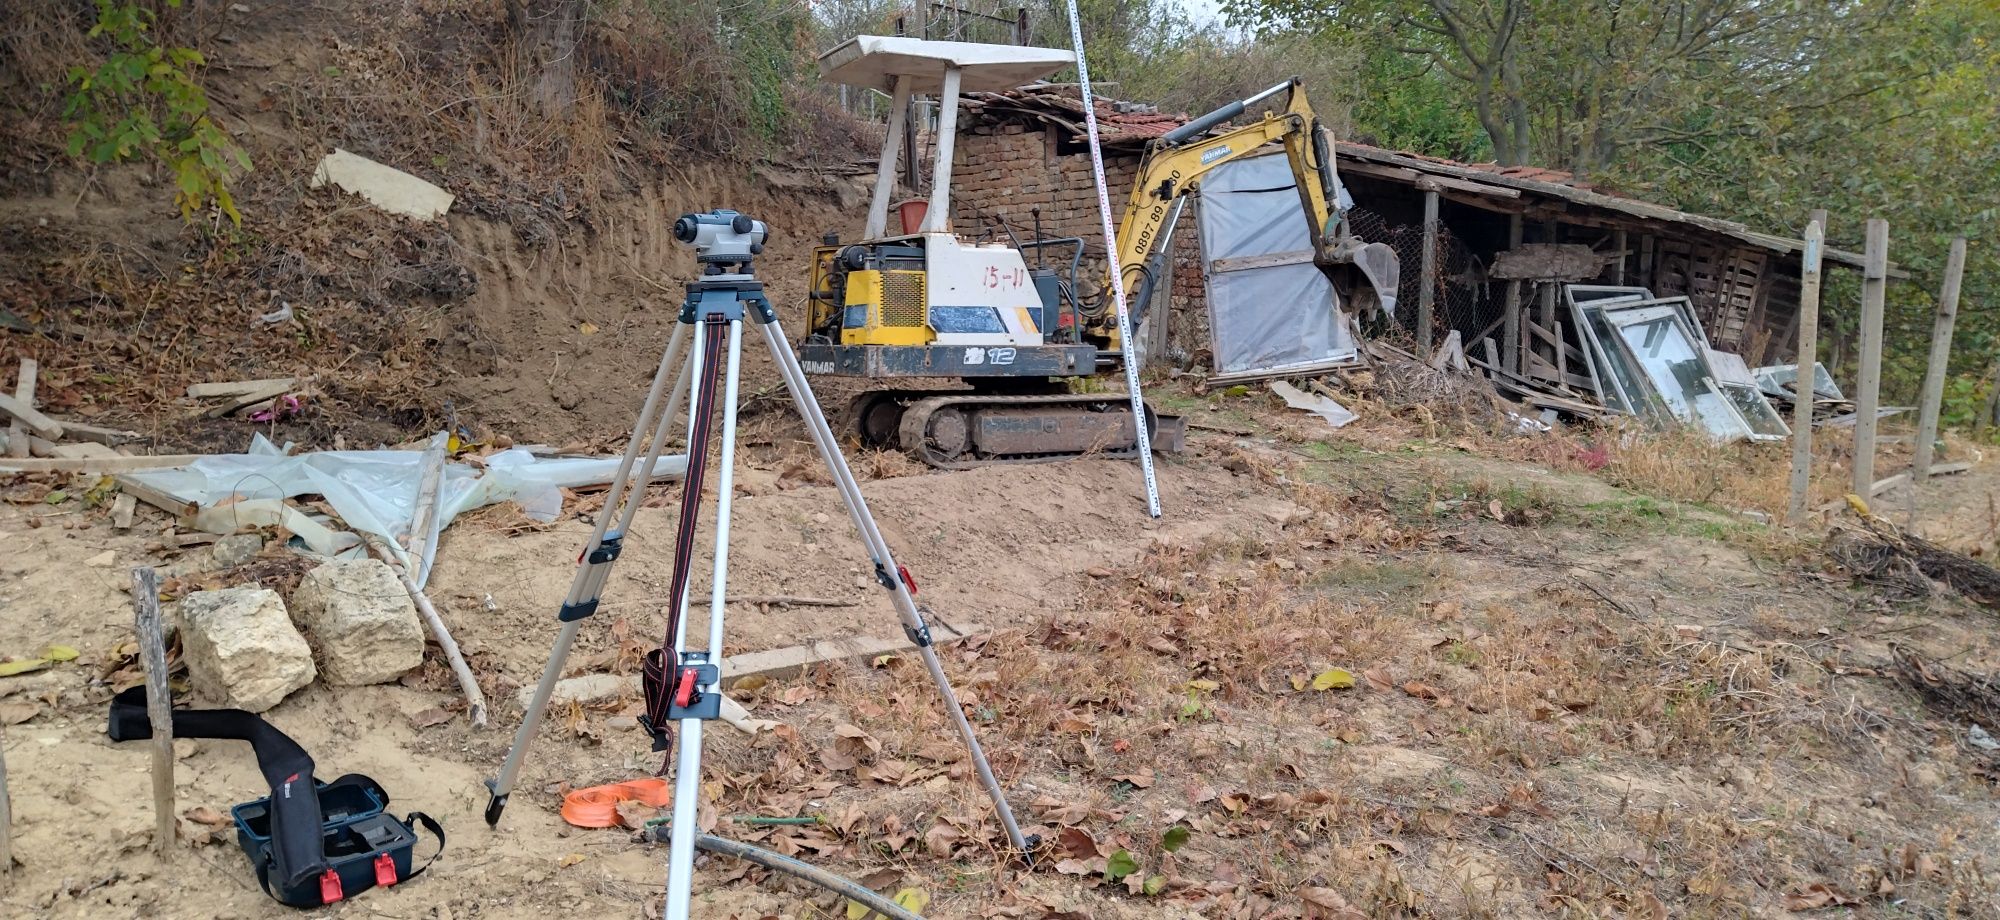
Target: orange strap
597, 806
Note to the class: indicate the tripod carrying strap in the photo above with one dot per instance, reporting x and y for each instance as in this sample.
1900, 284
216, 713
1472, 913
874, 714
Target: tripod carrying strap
661, 675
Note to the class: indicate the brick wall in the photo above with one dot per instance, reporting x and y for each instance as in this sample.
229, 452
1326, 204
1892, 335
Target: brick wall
1004, 170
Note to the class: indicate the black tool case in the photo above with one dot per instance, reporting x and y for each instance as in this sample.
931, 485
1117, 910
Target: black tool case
365, 846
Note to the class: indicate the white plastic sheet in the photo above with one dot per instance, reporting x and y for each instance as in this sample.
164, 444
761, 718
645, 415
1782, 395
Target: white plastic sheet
1268, 317
375, 491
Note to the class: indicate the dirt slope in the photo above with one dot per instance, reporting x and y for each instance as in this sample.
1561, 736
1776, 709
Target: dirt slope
1604, 703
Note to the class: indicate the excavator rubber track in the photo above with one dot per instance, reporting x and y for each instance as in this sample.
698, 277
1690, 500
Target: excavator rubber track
962, 430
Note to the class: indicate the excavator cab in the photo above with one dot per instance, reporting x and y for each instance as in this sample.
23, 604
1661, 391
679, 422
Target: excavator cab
927, 302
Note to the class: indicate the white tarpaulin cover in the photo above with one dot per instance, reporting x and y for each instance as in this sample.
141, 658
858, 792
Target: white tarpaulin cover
375, 491
1266, 317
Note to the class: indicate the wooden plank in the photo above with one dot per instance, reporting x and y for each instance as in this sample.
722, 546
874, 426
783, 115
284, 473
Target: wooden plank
236, 387
1425, 181
78, 431
1266, 260
1933, 397
34, 421
157, 498
246, 400
24, 390
1874, 287
1618, 267
785, 662
99, 465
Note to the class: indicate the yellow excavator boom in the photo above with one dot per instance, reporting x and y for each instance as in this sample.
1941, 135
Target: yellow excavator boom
1175, 164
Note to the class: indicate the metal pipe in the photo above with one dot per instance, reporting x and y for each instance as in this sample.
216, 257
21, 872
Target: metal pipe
846, 888
1200, 126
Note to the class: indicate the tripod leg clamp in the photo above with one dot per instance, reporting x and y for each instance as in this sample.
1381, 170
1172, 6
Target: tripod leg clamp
689, 702
919, 635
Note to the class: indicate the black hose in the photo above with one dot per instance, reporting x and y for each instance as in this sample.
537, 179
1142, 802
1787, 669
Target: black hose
777, 862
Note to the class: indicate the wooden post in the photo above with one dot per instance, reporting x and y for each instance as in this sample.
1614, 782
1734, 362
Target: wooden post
885, 172
1991, 407
1547, 289
1618, 246
1874, 289
159, 702
24, 390
1802, 409
1510, 334
1947, 314
1427, 287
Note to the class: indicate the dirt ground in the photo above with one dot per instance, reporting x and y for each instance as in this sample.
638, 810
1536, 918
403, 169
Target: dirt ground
1567, 700
1391, 671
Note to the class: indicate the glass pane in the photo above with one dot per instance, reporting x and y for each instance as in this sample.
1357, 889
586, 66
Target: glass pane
1662, 349
1628, 378
1758, 411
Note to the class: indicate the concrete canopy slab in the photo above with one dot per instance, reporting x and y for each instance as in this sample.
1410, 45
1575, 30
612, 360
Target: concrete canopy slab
874, 61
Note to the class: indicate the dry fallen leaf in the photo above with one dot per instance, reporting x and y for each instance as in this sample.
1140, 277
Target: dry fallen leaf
16, 712
1143, 779
1816, 896
202, 814
428, 718
1329, 904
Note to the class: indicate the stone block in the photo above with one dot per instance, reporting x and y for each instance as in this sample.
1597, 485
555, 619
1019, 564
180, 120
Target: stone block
362, 625
241, 648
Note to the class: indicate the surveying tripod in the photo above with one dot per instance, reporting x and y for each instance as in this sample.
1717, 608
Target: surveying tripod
682, 686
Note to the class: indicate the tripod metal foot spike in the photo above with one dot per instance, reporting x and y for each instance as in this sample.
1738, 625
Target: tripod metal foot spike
683, 686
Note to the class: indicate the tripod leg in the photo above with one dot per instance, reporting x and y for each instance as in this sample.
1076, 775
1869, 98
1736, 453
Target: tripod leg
886, 569
687, 763
629, 485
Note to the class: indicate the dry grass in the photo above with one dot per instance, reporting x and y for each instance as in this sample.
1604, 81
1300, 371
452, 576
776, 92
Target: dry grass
1539, 749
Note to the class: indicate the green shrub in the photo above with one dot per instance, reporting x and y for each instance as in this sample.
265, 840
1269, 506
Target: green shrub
144, 101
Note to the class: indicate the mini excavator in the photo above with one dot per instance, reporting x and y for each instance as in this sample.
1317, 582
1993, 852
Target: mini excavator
933, 304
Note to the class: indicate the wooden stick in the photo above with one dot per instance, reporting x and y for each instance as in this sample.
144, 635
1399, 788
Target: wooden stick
1808, 318
6, 812
101, 465
236, 387
474, 698
1874, 289
24, 390
423, 517
159, 702
36, 422
1947, 314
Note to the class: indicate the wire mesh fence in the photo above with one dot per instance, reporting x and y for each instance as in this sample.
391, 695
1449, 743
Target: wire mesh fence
1465, 299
